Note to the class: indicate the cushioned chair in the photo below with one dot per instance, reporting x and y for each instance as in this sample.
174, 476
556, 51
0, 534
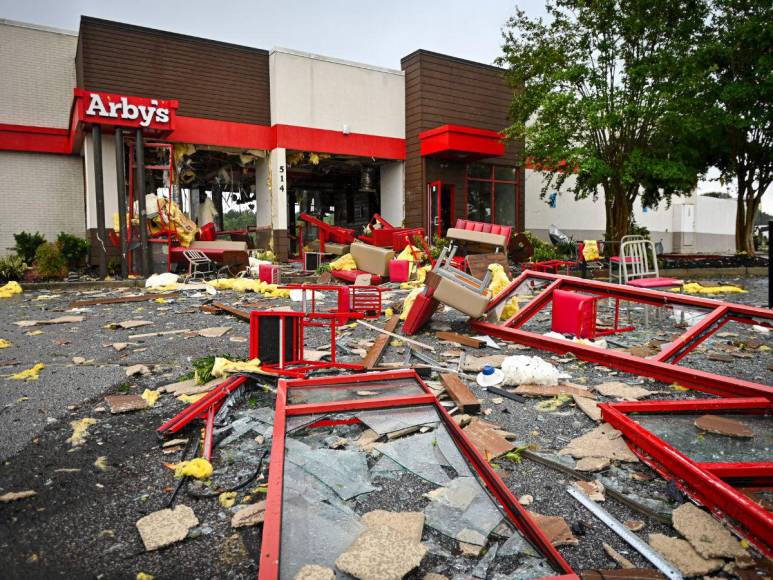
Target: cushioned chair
369, 260
480, 233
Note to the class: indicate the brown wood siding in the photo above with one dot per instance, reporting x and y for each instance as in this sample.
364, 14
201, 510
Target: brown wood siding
443, 90
210, 79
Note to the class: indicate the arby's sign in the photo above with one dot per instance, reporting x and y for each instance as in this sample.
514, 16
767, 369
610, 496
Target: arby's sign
126, 111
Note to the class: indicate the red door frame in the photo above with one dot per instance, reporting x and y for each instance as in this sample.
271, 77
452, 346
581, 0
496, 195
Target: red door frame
657, 367
430, 225
272, 527
706, 482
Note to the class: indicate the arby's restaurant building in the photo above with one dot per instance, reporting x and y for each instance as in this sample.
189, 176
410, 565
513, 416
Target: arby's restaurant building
90, 120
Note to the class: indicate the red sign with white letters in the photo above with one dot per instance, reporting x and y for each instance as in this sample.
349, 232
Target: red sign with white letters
126, 111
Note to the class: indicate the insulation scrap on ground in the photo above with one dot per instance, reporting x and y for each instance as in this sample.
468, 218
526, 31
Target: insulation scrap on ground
30, 374
79, 429
249, 285
10, 289
198, 468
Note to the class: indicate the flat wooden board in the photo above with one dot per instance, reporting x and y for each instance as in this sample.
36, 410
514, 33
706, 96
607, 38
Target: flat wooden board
461, 394
485, 438
120, 300
379, 345
460, 339
243, 314
478, 264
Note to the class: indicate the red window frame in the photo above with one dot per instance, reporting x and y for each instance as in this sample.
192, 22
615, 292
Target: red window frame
711, 484
493, 180
272, 526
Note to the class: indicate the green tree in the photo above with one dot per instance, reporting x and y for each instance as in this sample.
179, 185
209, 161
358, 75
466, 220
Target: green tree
604, 92
738, 59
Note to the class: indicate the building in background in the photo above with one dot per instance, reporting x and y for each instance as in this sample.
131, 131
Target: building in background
281, 132
691, 224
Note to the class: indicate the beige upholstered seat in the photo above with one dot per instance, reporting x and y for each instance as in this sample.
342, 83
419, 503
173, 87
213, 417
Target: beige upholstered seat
461, 235
371, 259
330, 248
219, 245
463, 299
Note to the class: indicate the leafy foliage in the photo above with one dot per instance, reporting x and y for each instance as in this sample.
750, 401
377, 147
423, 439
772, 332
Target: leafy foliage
74, 250
238, 220
604, 95
737, 59
49, 262
27, 244
12, 268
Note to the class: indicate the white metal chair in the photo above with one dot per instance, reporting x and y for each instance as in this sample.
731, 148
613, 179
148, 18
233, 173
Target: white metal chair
639, 264
200, 266
615, 262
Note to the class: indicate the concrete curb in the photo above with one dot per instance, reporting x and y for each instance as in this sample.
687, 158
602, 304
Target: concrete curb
135, 283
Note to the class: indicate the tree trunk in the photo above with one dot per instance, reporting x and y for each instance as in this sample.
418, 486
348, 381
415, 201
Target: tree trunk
746, 210
618, 211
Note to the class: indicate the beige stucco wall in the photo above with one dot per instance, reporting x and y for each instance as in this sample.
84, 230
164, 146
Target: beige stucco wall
37, 68
40, 192
315, 91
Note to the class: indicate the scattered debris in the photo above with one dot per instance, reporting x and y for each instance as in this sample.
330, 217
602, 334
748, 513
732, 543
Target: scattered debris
529, 370
79, 429
526, 500
137, 370
397, 336
589, 407
476, 363
160, 333
150, 396
634, 525
622, 391
381, 553
554, 391
198, 468
119, 300
603, 441
315, 572
128, 324
461, 394
59, 320
723, 426
408, 524
709, 538
487, 440
251, 515
682, 555
460, 339
376, 351
227, 499
593, 489
101, 463
166, 527
125, 403
30, 374
555, 529
16, 495
621, 560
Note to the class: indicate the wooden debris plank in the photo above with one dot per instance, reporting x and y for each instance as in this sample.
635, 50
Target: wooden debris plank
461, 394
478, 264
460, 339
379, 345
120, 300
243, 314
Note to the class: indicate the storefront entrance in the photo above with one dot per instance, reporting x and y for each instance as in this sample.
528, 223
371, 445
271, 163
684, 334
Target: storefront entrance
442, 201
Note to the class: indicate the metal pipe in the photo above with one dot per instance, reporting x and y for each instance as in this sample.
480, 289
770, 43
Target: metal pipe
139, 185
120, 176
99, 191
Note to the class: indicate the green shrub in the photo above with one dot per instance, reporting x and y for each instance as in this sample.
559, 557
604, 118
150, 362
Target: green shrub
12, 268
114, 266
74, 250
49, 262
27, 244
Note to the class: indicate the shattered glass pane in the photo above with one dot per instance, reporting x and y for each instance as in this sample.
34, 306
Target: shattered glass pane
314, 532
345, 472
517, 545
386, 466
259, 421
464, 512
680, 432
349, 391
387, 421
529, 569
296, 422
481, 568
451, 452
419, 454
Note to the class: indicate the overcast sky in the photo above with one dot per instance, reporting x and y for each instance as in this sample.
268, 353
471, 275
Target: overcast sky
374, 32
370, 31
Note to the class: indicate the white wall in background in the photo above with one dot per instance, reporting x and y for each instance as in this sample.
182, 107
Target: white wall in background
392, 188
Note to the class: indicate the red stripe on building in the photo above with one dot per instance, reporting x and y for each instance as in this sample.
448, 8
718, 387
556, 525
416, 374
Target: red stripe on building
221, 133
35, 139
327, 141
